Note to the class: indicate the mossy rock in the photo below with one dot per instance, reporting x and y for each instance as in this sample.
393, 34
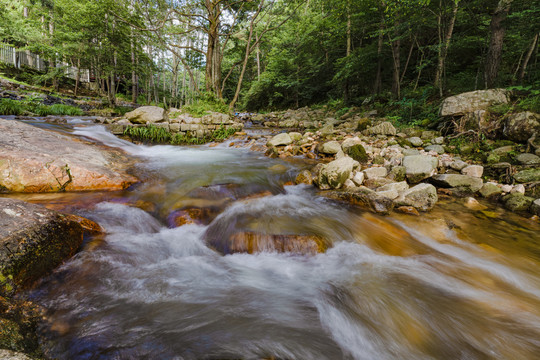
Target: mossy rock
363, 124
527, 176
517, 202
358, 153
398, 173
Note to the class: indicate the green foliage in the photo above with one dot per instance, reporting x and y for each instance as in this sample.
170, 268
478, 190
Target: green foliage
154, 135
10, 107
13, 107
207, 102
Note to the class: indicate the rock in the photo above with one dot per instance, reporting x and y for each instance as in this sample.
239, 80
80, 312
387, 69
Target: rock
429, 135
473, 204
334, 174
439, 149
279, 140
422, 197
358, 178
529, 175
347, 143
295, 136
34, 240
438, 140
375, 172
384, 128
330, 147
461, 183
349, 184
518, 189
517, 202
473, 170
458, 165
304, 178
528, 159
398, 173
415, 141
471, 101
147, 115
37, 160
506, 188
252, 242
366, 198
535, 207
521, 127
399, 187
326, 130
11, 355
409, 210
194, 215
490, 190
357, 152
419, 167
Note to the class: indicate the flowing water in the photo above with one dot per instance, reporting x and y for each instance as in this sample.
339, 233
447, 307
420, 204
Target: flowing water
451, 284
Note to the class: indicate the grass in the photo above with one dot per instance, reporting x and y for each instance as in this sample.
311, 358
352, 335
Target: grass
13, 107
154, 135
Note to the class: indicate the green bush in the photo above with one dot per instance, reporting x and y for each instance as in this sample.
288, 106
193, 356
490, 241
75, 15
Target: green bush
10, 107
154, 135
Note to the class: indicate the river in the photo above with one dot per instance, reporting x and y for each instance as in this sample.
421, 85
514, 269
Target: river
454, 283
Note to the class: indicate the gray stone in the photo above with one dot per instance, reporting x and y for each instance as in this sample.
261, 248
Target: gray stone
527, 176
438, 140
410, 152
295, 136
419, 167
147, 115
330, 147
367, 198
439, 149
521, 127
535, 207
334, 174
520, 188
517, 202
462, 183
384, 128
327, 129
471, 101
11, 355
375, 172
398, 173
398, 187
458, 165
489, 190
422, 197
429, 135
279, 140
415, 141
528, 159
350, 142
358, 178
473, 170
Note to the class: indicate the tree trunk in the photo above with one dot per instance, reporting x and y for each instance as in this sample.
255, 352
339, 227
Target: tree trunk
78, 79
377, 87
444, 45
497, 30
521, 75
396, 48
348, 53
213, 52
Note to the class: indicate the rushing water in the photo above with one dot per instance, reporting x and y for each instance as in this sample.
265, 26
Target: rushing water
451, 284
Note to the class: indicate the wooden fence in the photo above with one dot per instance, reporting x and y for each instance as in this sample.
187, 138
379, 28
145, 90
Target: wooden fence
18, 58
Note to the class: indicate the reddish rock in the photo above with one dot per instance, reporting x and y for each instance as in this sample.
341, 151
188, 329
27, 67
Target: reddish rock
251, 242
409, 210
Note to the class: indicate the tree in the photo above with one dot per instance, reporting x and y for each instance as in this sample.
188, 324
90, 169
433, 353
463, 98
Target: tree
497, 30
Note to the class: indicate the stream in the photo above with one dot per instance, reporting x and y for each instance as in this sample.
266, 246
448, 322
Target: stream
454, 283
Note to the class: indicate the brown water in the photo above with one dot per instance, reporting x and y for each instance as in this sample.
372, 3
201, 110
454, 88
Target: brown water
451, 284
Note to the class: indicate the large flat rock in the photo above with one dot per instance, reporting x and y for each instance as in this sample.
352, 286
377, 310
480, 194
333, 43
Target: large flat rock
37, 160
33, 241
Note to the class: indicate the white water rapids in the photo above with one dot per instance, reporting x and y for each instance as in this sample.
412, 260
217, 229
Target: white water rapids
452, 284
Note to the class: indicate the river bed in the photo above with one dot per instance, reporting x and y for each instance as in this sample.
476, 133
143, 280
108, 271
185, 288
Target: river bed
454, 283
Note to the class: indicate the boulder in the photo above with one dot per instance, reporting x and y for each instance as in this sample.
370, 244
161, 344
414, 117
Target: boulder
419, 167
535, 207
304, 177
490, 190
334, 174
458, 165
439, 149
147, 115
357, 152
398, 187
460, 183
279, 140
415, 141
472, 101
517, 202
366, 198
398, 173
528, 159
473, 170
295, 136
38, 160
347, 143
422, 197
11, 355
527, 176
384, 128
330, 147
358, 178
34, 240
375, 172
520, 127
253, 242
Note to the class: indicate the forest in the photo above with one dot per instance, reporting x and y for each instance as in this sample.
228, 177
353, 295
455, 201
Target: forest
275, 54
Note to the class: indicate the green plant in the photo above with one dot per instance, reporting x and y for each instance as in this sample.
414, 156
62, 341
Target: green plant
148, 134
10, 107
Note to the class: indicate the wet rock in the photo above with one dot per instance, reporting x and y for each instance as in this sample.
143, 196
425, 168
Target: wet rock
535, 207
490, 190
422, 197
375, 172
330, 147
193, 215
521, 127
419, 167
147, 115
304, 177
517, 202
334, 174
528, 159
459, 183
37, 160
409, 210
357, 152
34, 240
279, 140
473, 204
471, 101
439, 149
366, 198
415, 141
526, 176
398, 187
385, 128
473, 170
252, 242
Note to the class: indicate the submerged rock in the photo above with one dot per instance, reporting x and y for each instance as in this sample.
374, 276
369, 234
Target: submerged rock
252, 242
37, 160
